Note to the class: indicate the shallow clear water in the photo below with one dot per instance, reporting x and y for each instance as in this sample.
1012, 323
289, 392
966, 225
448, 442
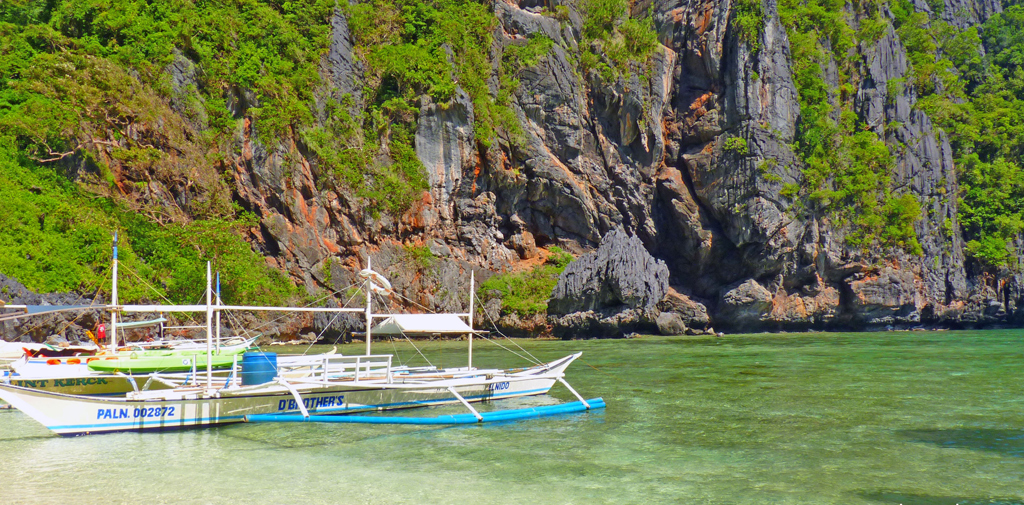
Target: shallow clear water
865, 418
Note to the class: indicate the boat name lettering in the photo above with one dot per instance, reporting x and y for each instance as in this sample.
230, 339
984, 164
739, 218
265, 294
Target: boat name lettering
313, 403
44, 383
93, 381
136, 412
32, 384
497, 386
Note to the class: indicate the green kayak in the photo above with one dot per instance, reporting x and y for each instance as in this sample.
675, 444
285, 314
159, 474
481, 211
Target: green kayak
170, 361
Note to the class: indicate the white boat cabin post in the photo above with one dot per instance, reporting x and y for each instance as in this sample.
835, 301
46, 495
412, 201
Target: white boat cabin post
113, 299
472, 289
217, 321
399, 325
369, 294
209, 328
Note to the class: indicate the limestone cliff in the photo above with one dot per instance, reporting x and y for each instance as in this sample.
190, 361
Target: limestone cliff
647, 153
648, 160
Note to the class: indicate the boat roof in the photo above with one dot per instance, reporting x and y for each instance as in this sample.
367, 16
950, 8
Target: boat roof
140, 324
36, 310
406, 324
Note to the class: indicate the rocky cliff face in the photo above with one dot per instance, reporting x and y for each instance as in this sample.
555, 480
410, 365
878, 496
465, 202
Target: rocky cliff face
646, 154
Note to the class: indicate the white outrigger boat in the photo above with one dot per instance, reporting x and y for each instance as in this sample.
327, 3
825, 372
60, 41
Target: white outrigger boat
299, 389
346, 384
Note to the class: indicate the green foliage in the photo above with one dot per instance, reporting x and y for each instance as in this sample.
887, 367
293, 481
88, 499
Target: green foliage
937, 6
990, 249
790, 190
526, 293
50, 238
175, 256
748, 21
77, 74
899, 215
766, 166
415, 47
612, 41
973, 87
327, 272
65, 79
54, 238
872, 28
1003, 38
601, 16
932, 73
420, 255
821, 20
736, 145
529, 55
271, 48
847, 166
559, 258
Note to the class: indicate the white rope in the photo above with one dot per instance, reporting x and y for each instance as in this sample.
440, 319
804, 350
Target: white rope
417, 349
387, 304
496, 330
394, 348
399, 295
245, 331
531, 359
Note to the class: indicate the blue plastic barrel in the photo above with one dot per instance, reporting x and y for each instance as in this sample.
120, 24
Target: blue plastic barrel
258, 368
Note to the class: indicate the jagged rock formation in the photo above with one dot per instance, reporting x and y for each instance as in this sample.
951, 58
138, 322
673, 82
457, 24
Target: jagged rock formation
648, 155
611, 291
645, 154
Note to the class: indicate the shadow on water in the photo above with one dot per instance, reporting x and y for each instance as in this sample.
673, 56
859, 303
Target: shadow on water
1005, 442
897, 498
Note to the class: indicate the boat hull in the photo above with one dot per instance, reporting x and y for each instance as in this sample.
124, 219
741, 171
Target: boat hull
95, 385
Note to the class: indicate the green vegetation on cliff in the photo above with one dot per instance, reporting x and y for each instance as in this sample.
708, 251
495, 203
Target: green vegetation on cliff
526, 293
847, 166
84, 87
969, 82
983, 111
614, 42
150, 104
972, 85
147, 102
54, 237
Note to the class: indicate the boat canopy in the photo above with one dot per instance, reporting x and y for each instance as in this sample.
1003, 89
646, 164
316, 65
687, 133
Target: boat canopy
124, 325
21, 311
423, 324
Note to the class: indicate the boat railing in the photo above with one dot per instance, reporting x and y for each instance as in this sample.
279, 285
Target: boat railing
326, 368
188, 345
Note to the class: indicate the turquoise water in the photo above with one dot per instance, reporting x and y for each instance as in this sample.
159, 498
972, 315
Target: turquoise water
865, 418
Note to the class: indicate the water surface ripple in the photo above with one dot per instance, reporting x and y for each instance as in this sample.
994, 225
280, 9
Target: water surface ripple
926, 418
